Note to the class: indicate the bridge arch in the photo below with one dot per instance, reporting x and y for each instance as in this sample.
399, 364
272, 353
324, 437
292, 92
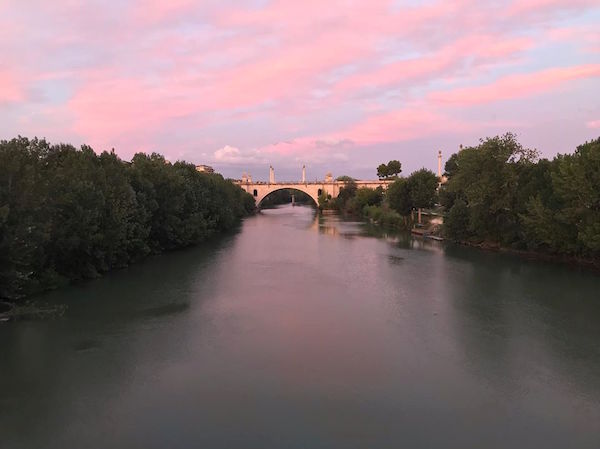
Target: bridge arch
261, 194
260, 190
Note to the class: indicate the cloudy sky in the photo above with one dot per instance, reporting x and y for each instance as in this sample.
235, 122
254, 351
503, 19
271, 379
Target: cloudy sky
337, 85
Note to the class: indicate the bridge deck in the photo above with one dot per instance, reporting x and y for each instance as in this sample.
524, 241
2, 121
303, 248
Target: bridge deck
300, 183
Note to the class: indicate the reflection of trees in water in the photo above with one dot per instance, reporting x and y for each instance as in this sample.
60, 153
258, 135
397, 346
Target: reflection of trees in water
102, 344
333, 224
526, 324
403, 239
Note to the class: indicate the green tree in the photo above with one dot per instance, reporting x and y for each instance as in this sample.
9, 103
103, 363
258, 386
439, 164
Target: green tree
456, 223
324, 200
394, 168
422, 186
487, 178
451, 166
69, 214
365, 197
564, 214
345, 195
382, 171
24, 219
398, 196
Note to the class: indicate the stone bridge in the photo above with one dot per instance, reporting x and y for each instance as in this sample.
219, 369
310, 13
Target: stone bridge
260, 190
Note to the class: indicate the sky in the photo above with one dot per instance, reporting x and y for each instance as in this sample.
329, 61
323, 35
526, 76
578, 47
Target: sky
339, 86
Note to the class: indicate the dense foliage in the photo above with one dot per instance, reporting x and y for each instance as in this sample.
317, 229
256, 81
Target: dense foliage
499, 192
352, 199
391, 169
417, 191
68, 214
391, 207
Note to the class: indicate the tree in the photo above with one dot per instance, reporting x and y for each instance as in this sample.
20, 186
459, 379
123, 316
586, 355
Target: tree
366, 197
487, 177
422, 186
398, 197
324, 200
69, 214
394, 168
446, 197
451, 166
382, 171
456, 223
564, 215
346, 194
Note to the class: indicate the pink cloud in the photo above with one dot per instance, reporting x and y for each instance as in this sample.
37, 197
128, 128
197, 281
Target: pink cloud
11, 90
296, 73
515, 86
587, 38
307, 145
106, 107
400, 125
109, 104
593, 124
152, 12
337, 146
449, 58
520, 7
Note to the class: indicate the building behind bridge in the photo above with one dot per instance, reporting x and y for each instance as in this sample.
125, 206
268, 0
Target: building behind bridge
205, 168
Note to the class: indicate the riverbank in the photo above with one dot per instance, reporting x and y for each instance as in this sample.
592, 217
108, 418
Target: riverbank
29, 311
34, 307
389, 219
589, 264
386, 218
68, 214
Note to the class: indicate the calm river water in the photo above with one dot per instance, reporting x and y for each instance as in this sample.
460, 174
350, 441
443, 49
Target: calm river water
307, 332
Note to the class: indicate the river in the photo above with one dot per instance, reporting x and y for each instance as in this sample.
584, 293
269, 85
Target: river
300, 331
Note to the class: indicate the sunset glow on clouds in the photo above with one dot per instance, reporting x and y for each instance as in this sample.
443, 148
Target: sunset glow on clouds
337, 85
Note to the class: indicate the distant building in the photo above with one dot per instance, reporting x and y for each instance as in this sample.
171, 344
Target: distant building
205, 168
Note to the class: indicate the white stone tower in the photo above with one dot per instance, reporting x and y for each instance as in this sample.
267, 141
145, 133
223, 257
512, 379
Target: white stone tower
271, 175
304, 173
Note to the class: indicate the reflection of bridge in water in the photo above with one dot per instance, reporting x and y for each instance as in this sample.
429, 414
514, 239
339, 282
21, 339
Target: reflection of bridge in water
260, 190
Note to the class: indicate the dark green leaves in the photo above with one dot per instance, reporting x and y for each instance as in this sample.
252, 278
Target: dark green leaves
68, 214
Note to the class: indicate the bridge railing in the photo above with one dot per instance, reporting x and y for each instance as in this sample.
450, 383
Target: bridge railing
300, 183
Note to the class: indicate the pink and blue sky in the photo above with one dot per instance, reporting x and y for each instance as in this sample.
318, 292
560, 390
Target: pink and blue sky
337, 85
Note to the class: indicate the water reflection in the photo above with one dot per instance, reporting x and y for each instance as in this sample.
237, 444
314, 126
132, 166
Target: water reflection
115, 332
307, 330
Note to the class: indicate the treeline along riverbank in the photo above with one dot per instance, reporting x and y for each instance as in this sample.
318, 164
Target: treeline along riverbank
502, 195
496, 195
68, 214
